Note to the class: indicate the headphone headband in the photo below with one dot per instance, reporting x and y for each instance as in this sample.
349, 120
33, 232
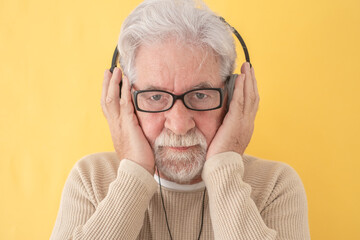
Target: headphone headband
236, 33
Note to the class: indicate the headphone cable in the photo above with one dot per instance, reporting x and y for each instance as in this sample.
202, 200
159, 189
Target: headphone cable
166, 219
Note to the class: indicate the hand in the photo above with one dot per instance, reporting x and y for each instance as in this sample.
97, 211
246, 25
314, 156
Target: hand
238, 125
127, 136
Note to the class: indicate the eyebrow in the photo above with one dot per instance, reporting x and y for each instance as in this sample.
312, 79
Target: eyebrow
197, 86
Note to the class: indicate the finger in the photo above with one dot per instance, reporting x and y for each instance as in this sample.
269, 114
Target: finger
237, 102
245, 69
125, 100
125, 91
112, 97
255, 86
105, 86
249, 93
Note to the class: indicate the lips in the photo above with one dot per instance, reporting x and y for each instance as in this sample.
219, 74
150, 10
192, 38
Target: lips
179, 149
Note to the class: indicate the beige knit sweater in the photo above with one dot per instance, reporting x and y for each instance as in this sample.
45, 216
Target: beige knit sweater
247, 198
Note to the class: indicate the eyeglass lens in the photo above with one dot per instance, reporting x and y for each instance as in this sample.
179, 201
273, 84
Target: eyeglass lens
200, 99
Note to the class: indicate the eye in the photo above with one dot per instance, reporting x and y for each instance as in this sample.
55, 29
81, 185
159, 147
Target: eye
200, 95
156, 97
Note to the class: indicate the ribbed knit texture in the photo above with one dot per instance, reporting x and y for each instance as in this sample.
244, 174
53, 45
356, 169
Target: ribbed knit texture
247, 198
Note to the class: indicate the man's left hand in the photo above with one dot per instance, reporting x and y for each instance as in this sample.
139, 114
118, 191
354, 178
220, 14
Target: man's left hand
238, 125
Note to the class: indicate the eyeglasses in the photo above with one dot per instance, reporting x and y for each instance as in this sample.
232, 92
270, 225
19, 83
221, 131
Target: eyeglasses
202, 99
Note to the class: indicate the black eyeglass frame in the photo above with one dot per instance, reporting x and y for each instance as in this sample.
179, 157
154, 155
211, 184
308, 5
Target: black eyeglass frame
176, 97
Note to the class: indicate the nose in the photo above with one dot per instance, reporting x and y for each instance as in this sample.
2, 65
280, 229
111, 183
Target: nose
179, 119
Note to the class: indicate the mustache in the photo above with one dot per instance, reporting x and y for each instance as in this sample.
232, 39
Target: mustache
191, 138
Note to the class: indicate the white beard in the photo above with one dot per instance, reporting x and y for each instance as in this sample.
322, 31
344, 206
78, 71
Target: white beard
180, 166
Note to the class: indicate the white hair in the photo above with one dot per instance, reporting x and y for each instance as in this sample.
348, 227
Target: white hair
187, 21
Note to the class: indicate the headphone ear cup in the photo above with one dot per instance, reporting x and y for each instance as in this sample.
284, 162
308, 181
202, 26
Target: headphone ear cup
230, 88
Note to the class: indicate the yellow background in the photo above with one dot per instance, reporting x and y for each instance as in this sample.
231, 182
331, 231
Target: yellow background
53, 55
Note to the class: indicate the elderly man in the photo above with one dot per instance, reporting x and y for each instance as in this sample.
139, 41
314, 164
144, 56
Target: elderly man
179, 131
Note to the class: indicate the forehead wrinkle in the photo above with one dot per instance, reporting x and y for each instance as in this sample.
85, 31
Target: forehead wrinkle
178, 69
195, 74
199, 85
152, 65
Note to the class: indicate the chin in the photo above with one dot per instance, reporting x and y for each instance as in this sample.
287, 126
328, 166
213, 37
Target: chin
182, 177
180, 166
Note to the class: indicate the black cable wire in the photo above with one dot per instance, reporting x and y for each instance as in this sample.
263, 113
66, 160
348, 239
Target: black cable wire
202, 214
162, 199
166, 219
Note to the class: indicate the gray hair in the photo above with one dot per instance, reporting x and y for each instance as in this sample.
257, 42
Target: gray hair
188, 21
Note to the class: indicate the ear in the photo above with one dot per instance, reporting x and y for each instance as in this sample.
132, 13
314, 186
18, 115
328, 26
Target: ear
230, 88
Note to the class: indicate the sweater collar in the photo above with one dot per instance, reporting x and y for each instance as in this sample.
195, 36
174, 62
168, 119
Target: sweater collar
180, 187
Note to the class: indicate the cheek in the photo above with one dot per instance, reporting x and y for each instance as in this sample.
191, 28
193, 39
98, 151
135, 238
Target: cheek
152, 125
209, 123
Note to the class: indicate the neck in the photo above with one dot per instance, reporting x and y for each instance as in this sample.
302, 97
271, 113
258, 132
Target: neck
192, 181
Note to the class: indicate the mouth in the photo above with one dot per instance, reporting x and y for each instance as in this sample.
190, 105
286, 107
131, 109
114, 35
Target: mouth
179, 148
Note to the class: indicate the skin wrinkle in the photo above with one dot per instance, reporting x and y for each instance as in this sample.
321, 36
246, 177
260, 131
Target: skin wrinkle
199, 58
178, 70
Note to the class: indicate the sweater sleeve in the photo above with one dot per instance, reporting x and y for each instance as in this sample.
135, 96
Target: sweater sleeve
233, 212
118, 216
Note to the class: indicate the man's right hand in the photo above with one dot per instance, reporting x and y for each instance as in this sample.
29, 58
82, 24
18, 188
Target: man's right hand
127, 136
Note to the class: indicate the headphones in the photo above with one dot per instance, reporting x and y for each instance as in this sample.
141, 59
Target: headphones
230, 81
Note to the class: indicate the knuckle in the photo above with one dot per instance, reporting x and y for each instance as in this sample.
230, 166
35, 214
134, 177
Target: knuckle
252, 98
240, 103
108, 101
122, 102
